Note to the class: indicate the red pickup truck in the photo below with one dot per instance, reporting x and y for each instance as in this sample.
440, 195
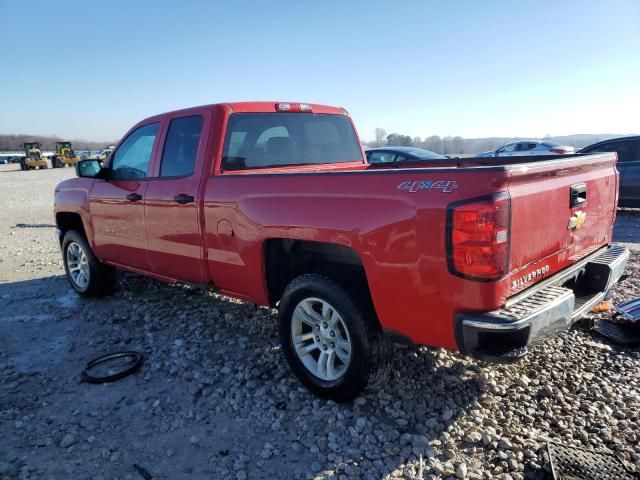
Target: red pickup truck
275, 204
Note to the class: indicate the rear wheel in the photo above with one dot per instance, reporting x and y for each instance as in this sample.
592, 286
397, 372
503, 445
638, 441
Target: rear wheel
23, 164
85, 273
331, 342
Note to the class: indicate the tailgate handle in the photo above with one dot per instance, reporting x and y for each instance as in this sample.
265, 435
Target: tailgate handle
578, 195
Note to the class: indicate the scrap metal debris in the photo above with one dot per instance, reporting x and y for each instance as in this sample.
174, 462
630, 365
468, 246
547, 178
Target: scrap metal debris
34, 225
620, 333
629, 311
573, 463
623, 327
604, 306
127, 368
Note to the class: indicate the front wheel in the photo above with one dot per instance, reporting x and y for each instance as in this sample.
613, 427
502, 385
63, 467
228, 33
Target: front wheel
331, 342
85, 273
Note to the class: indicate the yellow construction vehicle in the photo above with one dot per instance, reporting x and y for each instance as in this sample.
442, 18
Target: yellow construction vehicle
64, 155
32, 157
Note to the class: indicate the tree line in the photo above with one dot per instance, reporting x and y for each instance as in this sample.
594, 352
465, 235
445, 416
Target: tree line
457, 145
15, 142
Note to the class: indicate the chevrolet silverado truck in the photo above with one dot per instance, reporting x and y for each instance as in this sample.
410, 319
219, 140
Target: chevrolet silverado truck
275, 204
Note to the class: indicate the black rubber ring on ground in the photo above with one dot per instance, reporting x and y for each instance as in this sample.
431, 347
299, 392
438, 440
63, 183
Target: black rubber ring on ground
137, 363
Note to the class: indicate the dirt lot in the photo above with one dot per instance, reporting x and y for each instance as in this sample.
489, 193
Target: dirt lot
215, 399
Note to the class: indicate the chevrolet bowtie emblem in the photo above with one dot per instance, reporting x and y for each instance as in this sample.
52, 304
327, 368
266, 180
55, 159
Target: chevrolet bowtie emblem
577, 220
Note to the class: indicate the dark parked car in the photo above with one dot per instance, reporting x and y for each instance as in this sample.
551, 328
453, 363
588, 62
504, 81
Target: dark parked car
400, 154
628, 150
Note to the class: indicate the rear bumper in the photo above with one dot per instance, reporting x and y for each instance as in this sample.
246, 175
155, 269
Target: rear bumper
504, 335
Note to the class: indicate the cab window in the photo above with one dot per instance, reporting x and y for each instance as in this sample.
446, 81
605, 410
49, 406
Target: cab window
181, 147
381, 157
264, 140
131, 159
510, 147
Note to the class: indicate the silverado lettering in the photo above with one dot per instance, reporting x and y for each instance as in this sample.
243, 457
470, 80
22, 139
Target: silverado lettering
534, 276
276, 204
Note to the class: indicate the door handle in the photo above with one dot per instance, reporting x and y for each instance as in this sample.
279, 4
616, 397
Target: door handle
134, 197
182, 198
577, 195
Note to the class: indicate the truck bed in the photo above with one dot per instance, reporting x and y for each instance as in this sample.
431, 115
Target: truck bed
396, 217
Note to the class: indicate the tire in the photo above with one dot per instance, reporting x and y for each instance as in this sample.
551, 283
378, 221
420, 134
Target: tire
101, 279
23, 165
54, 162
368, 361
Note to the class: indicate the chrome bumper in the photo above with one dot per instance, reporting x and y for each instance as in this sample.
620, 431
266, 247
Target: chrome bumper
504, 335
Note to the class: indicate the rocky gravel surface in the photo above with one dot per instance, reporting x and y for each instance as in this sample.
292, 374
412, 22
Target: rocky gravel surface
215, 399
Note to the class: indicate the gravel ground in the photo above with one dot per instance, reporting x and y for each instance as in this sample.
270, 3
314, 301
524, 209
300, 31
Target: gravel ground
215, 399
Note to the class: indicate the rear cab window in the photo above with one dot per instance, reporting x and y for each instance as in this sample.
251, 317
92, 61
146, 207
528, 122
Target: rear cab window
272, 140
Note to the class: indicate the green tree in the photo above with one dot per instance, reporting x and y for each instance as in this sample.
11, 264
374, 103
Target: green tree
398, 140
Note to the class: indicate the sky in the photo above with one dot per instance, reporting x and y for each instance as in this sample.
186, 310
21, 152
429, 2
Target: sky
90, 70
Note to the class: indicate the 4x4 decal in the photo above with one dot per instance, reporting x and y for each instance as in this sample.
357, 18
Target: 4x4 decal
446, 186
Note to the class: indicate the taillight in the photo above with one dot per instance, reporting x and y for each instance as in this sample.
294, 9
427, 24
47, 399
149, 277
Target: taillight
478, 237
293, 107
562, 150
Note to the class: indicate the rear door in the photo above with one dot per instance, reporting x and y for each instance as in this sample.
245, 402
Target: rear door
526, 148
173, 208
117, 204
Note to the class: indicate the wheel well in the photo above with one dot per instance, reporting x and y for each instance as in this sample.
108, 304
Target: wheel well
69, 221
285, 259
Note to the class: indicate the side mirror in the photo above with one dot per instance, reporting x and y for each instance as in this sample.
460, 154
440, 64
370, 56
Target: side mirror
90, 169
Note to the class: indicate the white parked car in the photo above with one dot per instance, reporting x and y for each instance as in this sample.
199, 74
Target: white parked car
103, 154
528, 147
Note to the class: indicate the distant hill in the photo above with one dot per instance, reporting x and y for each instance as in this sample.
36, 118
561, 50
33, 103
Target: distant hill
14, 142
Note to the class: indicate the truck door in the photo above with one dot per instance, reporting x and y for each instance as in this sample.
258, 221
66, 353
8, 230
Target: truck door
173, 206
117, 204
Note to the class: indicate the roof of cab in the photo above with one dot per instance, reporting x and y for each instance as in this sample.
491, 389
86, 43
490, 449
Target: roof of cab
247, 107
266, 107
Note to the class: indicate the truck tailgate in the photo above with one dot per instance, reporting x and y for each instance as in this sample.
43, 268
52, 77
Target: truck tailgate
560, 212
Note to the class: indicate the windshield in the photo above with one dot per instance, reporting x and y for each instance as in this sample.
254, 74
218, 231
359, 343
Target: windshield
263, 140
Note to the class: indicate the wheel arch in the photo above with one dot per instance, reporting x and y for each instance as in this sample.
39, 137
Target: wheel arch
66, 221
285, 259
